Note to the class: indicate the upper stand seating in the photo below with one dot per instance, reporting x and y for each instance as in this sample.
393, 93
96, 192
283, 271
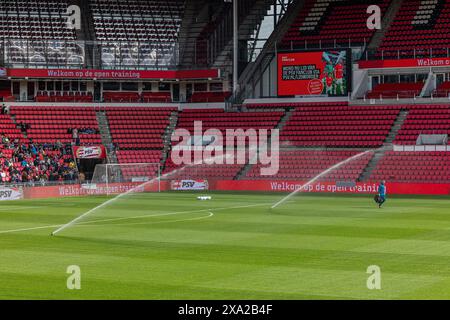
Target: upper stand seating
328, 24
396, 90
35, 20
35, 32
418, 27
339, 126
424, 119
150, 27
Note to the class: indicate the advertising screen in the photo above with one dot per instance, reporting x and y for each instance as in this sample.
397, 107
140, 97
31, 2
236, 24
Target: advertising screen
314, 73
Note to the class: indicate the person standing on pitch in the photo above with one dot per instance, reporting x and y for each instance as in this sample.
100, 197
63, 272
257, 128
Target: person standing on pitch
381, 193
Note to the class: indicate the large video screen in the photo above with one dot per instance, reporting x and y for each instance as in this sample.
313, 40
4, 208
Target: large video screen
314, 73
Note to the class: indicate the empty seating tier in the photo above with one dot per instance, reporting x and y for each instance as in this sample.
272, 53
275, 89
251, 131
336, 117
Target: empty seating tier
328, 23
35, 19
418, 27
202, 171
35, 33
443, 90
307, 164
418, 167
396, 90
339, 126
424, 119
138, 128
150, 27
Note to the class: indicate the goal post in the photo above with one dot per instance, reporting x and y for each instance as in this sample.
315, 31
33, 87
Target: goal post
126, 173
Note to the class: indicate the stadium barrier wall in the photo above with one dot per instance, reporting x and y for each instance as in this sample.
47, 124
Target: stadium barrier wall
278, 186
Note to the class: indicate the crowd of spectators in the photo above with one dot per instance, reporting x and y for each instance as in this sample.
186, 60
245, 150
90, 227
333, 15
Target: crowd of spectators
30, 162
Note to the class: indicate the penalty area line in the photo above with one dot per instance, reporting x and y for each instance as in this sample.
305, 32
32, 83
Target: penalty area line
210, 215
173, 213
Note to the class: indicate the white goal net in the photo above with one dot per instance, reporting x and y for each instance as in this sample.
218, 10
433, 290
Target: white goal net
114, 178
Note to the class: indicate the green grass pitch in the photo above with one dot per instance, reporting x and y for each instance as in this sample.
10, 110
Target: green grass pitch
172, 246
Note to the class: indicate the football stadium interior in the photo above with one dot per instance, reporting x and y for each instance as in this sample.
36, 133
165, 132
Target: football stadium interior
101, 98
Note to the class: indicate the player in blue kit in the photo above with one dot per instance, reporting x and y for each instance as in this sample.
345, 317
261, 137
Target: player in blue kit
381, 193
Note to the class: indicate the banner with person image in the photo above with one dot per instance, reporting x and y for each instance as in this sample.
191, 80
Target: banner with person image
314, 73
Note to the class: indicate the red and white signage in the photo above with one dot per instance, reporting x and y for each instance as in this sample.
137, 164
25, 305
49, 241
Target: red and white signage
224, 185
186, 185
113, 74
332, 187
405, 63
91, 152
10, 194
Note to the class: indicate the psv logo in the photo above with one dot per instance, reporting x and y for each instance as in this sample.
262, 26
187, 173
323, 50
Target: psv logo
5, 194
188, 184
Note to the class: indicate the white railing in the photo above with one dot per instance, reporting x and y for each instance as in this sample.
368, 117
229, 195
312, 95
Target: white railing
416, 148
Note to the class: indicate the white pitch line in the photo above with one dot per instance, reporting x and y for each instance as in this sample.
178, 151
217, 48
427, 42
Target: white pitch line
137, 217
16, 208
175, 213
210, 215
29, 229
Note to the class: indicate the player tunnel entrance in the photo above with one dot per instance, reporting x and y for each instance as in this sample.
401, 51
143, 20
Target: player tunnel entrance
88, 157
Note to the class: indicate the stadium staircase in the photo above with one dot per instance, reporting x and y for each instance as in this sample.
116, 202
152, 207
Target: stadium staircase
396, 127
247, 26
387, 146
173, 122
253, 69
284, 119
387, 20
194, 21
105, 134
87, 33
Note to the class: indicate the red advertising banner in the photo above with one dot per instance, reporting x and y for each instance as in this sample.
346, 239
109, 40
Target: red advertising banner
113, 74
75, 190
90, 152
332, 187
240, 185
313, 73
405, 63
